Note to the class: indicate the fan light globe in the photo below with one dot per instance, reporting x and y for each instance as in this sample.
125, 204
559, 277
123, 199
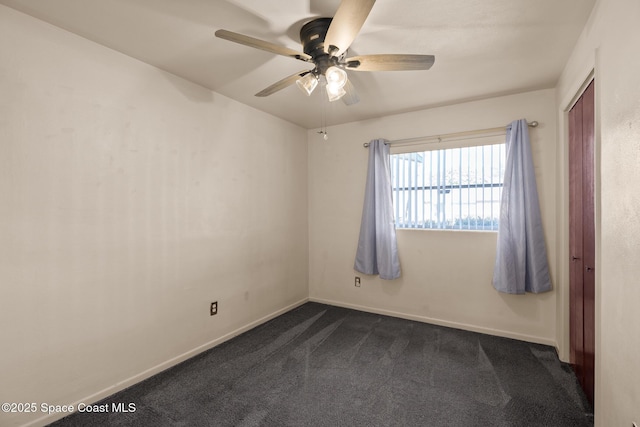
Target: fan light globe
334, 92
307, 83
336, 77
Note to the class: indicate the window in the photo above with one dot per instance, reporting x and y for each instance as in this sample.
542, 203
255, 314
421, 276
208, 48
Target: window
452, 189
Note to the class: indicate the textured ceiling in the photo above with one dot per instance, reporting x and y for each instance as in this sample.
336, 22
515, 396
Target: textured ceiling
483, 48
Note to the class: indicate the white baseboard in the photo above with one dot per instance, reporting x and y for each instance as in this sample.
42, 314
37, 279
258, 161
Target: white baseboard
440, 322
47, 419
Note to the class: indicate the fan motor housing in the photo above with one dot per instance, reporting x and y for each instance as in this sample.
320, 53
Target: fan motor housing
312, 36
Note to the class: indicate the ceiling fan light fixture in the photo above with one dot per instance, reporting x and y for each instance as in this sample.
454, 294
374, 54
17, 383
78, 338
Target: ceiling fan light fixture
335, 92
336, 77
307, 83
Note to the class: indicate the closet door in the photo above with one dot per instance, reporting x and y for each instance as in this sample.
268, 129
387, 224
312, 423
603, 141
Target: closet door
582, 239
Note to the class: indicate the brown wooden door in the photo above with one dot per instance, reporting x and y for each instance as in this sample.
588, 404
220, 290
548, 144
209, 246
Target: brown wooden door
582, 238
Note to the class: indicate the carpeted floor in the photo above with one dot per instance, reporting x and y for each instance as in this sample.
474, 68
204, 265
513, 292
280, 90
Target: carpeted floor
320, 365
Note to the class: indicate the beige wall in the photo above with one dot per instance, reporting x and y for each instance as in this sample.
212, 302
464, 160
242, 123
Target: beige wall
129, 200
446, 275
608, 47
124, 211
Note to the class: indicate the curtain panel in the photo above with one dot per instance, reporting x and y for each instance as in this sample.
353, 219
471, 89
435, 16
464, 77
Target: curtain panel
521, 259
377, 251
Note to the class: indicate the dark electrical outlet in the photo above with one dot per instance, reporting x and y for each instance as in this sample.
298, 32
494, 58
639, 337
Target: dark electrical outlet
214, 308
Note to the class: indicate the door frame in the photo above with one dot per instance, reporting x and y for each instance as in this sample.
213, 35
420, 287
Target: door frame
563, 261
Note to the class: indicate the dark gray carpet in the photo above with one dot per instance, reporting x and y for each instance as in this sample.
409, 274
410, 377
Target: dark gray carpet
320, 365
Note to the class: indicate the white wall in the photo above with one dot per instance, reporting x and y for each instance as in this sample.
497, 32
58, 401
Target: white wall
609, 45
129, 200
124, 212
446, 275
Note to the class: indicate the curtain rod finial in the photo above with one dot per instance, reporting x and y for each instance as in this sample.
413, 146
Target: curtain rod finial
534, 124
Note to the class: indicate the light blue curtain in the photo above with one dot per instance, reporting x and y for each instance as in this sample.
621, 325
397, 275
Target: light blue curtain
521, 259
377, 246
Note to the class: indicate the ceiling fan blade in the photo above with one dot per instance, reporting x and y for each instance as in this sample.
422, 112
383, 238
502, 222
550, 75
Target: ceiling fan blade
287, 81
346, 25
391, 62
261, 44
351, 97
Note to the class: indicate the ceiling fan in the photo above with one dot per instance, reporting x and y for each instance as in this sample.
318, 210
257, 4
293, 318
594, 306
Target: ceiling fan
324, 43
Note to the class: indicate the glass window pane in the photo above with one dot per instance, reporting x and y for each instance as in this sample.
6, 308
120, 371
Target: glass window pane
457, 189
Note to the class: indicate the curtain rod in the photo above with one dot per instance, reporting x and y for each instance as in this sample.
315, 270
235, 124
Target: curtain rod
450, 135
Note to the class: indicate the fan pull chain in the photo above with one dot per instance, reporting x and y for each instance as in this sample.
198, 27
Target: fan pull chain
323, 119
